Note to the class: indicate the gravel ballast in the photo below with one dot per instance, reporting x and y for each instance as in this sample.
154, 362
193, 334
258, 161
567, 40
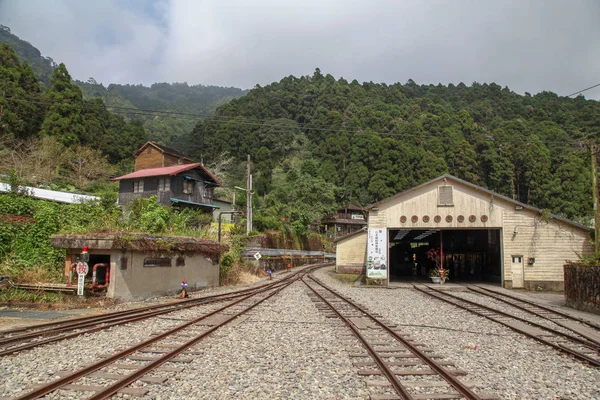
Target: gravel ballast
287, 348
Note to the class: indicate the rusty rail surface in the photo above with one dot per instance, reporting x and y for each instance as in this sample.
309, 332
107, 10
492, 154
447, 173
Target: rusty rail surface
498, 295
110, 390
483, 311
402, 391
59, 330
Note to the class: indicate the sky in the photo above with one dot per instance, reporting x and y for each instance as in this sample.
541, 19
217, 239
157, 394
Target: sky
529, 46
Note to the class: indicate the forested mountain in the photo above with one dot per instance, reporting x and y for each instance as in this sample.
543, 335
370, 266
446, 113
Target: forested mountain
132, 101
54, 135
42, 66
153, 104
369, 141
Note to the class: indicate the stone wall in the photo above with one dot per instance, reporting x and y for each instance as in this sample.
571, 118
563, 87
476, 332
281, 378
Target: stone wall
582, 287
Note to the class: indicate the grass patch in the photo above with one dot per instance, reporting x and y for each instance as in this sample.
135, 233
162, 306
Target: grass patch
345, 278
12, 295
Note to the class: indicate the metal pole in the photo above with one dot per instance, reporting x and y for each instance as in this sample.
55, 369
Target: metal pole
441, 249
219, 236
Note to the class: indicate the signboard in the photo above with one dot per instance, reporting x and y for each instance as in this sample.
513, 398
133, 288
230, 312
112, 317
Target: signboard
257, 256
82, 268
80, 279
377, 265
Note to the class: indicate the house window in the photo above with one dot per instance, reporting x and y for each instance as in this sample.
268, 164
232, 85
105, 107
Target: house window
517, 259
164, 184
445, 195
138, 186
209, 193
157, 262
188, 186
149, 150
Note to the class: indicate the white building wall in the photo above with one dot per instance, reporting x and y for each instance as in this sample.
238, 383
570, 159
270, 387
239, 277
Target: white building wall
551, 242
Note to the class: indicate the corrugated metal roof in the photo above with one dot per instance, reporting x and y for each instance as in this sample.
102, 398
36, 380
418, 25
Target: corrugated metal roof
52, 195
172, 170
174, 200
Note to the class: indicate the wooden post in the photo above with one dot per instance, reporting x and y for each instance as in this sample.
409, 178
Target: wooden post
249, 199
593, 150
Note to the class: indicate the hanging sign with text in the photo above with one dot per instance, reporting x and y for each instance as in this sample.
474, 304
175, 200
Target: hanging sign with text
377, 254
80, 280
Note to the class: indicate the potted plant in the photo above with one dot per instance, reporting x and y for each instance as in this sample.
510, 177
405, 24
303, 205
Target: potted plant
435, 275
438, 274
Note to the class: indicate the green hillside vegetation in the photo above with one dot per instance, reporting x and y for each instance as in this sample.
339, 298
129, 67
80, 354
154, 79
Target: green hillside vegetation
42, 66
361, 143
49, 135
151, 105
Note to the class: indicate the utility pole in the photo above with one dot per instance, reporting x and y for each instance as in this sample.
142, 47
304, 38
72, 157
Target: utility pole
249, 199
593, 150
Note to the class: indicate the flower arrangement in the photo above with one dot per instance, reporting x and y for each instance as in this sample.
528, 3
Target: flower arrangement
439, 271
434, 255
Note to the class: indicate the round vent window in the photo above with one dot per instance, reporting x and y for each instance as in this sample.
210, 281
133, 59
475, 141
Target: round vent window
425, 218
460, 218
448, 218
484, 218
472, 218
437, 218
414, 218
403, 219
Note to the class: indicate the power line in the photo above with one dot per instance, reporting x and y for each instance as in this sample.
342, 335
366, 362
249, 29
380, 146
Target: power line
581, 91
271, 123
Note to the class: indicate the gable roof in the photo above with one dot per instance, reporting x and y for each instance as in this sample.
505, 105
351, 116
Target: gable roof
352, 207
162, 149
340, 238
484, 190
171, 171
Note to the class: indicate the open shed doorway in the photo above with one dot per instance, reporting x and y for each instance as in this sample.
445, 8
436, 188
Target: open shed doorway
471, 255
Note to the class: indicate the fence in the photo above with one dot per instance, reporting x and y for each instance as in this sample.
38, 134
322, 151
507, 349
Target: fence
582, 287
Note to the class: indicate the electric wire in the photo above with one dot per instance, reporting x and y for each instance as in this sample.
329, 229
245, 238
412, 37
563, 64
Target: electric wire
279, 124
583, 90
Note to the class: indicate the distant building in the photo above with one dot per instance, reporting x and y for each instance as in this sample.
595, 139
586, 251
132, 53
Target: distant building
51, 195
188, 185
346, 220
224, 206
152, 155
169, 175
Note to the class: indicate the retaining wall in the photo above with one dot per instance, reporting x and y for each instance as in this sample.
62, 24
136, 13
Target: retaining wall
582, 287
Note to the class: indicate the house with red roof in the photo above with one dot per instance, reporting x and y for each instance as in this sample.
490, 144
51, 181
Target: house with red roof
183, 185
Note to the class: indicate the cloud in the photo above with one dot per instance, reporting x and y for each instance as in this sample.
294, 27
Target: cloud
528, 46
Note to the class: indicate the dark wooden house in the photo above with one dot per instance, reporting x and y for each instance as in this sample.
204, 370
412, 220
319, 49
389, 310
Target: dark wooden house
346, 220
152, 155
187, 185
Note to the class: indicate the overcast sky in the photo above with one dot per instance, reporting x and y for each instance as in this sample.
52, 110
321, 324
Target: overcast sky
529, 46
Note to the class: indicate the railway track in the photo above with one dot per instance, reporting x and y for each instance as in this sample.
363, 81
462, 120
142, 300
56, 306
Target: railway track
572, 343
15, 340
414, 372
587, 329
146, 361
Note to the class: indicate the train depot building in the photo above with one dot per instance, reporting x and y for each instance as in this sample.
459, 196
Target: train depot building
478, 235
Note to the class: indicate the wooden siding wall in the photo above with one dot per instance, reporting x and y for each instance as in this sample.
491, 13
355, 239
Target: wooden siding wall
152, 160
169, 160
423, 202
150, 188
351, 254
200, 188
551, 243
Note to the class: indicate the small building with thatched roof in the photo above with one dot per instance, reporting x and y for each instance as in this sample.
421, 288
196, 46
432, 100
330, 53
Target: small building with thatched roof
133, 266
